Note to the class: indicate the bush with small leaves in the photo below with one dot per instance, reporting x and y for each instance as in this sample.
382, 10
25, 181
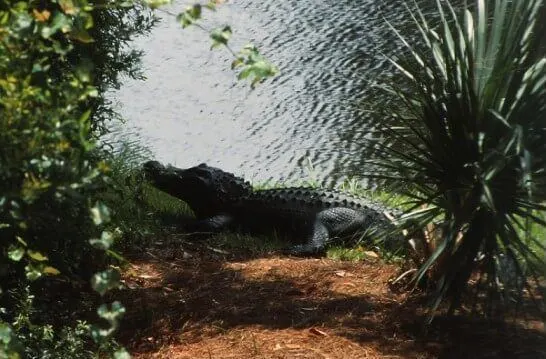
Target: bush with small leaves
56, 60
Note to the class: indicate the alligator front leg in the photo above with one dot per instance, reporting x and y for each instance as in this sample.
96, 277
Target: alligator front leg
330, 223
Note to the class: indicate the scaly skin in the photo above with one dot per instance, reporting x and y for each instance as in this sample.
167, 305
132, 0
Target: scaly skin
221, 201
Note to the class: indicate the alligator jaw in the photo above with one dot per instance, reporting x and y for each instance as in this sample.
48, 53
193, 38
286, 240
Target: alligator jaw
153, 170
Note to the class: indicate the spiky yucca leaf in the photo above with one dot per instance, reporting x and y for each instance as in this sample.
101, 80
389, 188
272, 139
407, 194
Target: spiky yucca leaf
471, 142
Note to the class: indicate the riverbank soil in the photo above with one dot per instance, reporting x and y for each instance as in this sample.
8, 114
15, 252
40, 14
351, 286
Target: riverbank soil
203, 302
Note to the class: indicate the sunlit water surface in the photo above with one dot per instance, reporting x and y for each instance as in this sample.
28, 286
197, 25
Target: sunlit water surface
309, 122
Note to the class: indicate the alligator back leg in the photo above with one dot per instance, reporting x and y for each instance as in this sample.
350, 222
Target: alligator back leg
316, 244
330, 223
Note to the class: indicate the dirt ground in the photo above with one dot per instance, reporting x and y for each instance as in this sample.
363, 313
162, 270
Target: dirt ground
210, 304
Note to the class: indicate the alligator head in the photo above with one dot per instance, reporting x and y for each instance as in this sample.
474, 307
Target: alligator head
207, 190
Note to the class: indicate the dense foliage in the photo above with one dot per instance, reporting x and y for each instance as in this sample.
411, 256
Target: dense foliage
469, 146
56, 60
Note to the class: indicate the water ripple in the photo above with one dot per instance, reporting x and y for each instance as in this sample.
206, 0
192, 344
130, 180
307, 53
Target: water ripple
191, 109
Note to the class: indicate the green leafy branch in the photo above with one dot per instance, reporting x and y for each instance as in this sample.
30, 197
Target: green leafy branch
253, 65
104, 281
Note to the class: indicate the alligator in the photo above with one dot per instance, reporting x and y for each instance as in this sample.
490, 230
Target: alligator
221, 201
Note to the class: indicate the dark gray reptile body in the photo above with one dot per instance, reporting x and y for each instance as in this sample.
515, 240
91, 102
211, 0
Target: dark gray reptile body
221, 201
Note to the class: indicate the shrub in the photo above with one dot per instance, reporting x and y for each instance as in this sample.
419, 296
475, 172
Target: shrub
470, 145
51, 111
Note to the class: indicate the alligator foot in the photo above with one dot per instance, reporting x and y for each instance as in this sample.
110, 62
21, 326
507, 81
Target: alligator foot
305, 250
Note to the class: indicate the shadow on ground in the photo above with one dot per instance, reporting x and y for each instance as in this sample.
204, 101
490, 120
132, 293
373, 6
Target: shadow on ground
203, 304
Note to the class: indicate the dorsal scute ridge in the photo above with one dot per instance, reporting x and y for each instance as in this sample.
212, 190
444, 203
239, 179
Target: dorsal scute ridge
318, 197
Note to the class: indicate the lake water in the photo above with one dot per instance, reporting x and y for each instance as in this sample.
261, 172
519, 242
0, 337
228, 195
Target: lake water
310, 121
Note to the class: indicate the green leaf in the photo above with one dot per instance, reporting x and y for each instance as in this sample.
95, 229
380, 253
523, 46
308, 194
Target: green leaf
239, 61
90, 91
194, 11
10, 346
81, 35
255, 81
184, 19
260, 70
211, 5
6, 333
22, 22
51, 270
122, 354
86, 19
189, 16
68, 7
33, 271
154, 4
220, 36
60, 22
104, 281
487, 198
245, 73
83, 72
263, 69
37, 256
16, 253
115, 312
106, 240
257, 67
61, 48
100, 213
112, 315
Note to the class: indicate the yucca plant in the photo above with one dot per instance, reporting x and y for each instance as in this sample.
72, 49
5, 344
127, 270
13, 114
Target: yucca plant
469, 147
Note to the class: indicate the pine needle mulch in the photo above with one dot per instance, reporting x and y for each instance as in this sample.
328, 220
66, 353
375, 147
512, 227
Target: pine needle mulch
210, 304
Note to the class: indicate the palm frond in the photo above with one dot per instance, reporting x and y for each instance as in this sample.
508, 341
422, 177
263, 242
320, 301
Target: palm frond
470, 140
